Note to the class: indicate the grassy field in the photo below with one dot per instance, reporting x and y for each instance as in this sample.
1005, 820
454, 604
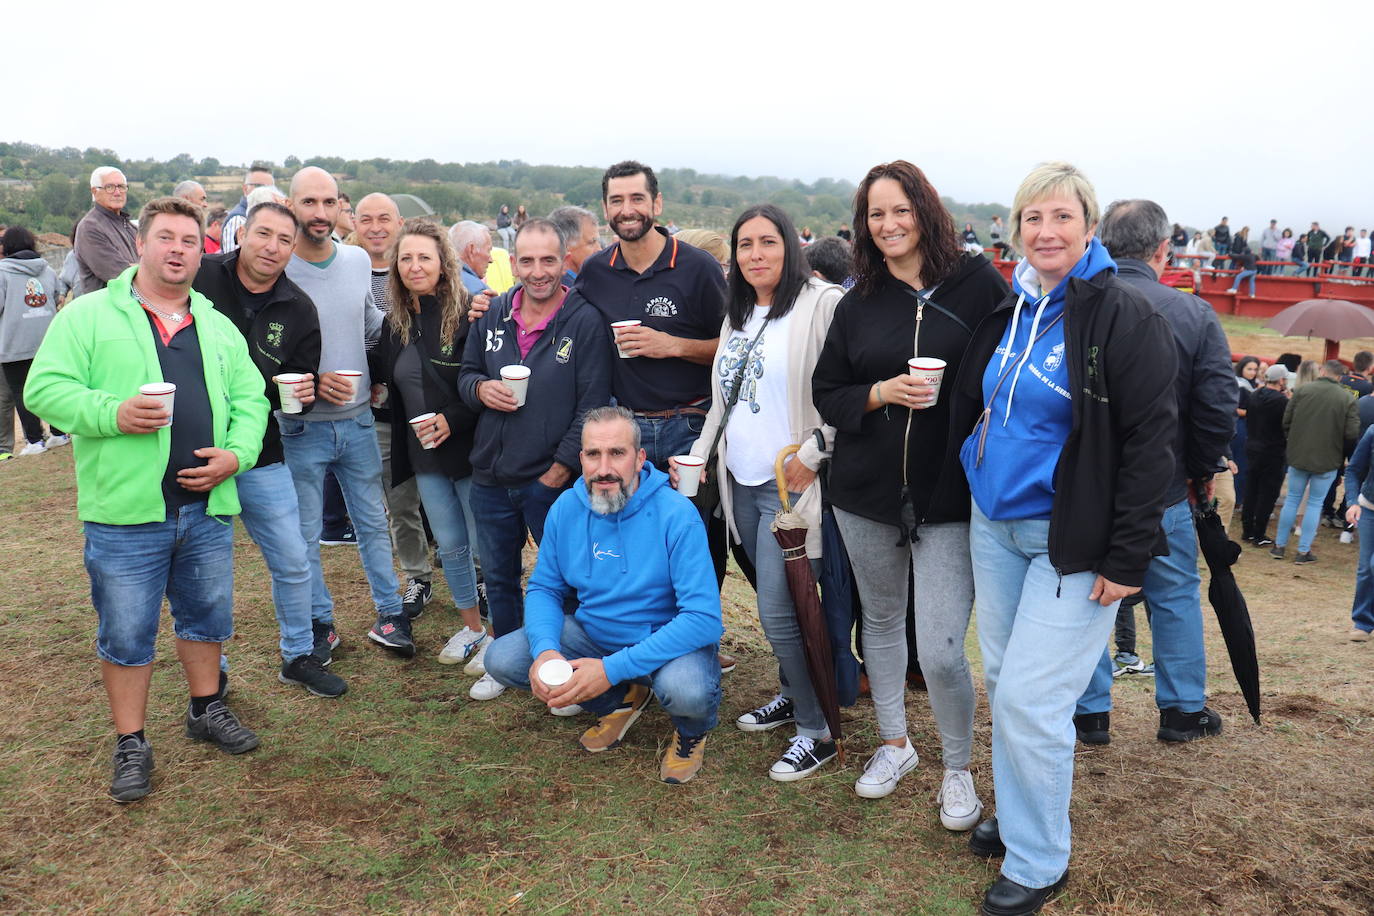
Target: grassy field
406, 797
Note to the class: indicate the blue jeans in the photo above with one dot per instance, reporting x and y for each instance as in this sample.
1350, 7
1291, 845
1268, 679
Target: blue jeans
1245, 275
754, 509
504, 515
663, 437
1362, 611
446, 503
189, 558
349, 449
273, 520
688, 688
1316, 486
1173, 600
1040, 636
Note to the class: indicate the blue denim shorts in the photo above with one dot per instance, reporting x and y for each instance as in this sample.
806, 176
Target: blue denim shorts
188, 559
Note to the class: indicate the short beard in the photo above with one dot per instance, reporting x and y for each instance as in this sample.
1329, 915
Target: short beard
603, 504
646, 226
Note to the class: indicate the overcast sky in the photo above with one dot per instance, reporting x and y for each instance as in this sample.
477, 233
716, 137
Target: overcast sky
1252, 110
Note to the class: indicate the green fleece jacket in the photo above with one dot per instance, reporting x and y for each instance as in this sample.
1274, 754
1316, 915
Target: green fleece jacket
97, 352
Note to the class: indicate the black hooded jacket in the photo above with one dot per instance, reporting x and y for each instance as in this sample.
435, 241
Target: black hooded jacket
871, 340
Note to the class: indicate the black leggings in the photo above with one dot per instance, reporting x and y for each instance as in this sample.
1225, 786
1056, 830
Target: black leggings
16, 373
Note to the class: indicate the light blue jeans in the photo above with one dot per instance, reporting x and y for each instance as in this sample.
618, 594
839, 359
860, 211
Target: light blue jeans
1362, 610
1040, 637
1316, 486
1173, 601
349, 448
1245, 275
447, 505
688, 687
754, 509
272, 519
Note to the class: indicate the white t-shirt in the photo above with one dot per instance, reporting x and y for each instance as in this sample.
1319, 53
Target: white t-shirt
758, 427
1362, 247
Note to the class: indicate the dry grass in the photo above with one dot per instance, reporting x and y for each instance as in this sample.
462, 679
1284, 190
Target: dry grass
406, 797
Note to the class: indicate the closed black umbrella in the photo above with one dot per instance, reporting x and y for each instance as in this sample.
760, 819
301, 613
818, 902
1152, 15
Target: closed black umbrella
1233, 615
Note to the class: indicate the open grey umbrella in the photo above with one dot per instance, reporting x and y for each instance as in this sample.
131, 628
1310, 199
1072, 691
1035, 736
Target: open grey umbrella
1332, 319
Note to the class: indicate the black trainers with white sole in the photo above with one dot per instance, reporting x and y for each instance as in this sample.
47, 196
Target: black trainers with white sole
802, 758
306, 671
326, 641
394, 634
417, 595
777, 711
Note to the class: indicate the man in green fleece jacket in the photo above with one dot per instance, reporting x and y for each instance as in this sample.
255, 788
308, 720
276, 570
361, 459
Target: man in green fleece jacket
155, 490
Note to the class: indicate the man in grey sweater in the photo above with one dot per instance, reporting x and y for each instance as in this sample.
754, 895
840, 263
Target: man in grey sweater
104, 240
338, 434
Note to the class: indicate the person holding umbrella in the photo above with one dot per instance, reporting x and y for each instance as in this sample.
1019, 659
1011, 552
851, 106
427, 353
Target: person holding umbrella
776, 320
1068, 389
899, 494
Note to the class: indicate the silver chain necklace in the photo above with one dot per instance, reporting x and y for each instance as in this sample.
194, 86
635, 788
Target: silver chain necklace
173, 317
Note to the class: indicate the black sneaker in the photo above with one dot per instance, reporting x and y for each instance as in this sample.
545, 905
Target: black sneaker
221, 728
1263, 541
394, 633
777, 711
1308, 557
803, 757
326, 641
133, 770
986, 840
346, 538
1093, 727
418, 593
1177, 725
1276, 552
307, 671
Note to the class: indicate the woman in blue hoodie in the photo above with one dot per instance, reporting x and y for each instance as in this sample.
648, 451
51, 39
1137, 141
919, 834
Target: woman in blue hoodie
1068, 462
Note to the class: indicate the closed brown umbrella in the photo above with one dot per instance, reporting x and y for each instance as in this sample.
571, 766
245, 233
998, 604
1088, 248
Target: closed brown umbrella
790, 530
1332, 319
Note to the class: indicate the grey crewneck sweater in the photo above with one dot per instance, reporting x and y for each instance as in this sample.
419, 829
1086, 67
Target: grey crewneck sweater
350, 321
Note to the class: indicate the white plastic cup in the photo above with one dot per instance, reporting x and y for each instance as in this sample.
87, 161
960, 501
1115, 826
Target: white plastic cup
617, 327
932, 371
164, 392
688, 473
517, 379
555, 672
286, 387
353, 376
415, 427
1347, 537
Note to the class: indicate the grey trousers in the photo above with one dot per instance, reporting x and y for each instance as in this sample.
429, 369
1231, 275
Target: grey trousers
943, 575
6, 417
403, 509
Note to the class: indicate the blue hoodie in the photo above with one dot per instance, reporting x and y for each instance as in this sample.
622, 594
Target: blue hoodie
1031, 411
643, 577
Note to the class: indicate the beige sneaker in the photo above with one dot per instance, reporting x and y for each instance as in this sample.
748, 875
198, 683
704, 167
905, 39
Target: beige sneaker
610, 728
1358, 635
683, 759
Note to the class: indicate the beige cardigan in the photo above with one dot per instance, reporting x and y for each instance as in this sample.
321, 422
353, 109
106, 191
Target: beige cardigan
810, 321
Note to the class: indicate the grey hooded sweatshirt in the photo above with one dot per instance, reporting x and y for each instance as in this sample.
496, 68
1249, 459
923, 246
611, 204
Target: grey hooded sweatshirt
28, 302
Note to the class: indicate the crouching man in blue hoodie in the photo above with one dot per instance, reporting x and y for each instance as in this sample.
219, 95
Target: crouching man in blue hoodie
634, 552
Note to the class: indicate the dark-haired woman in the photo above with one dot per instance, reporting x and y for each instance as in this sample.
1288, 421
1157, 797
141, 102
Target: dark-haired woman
1247, 380
28, 304
899, 494
776, 320
419, 357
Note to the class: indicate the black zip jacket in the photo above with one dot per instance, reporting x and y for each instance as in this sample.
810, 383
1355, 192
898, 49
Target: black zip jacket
871, 340
283, 336
1114, 471
1264, 423
570, 373
441, 394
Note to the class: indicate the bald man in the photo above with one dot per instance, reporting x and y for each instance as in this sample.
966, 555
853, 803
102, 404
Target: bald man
192, 191
377, 224
338, 434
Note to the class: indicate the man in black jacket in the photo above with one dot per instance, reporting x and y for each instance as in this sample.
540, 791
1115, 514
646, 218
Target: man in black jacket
1266, 454
1136, 233
281, 326
527, 451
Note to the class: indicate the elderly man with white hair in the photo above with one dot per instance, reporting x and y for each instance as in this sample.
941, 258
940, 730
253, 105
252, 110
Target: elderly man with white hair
472, 241
104, 240
192, 190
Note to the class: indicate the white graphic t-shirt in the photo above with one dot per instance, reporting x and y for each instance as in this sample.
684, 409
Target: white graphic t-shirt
758, 428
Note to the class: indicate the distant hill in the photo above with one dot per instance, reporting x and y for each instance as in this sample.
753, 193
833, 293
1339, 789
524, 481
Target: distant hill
45, 189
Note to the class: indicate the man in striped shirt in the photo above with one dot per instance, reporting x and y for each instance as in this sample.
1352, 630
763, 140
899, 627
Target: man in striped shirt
259, 176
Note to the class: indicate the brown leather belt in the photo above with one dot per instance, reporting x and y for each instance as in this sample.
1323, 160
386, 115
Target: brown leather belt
671, 412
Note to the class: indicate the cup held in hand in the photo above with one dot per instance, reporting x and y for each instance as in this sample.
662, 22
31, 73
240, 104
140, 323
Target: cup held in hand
286, 388
353, 376
164, 392
617, 327
415, 422
555, 672
688, 473
929, 370
517, 379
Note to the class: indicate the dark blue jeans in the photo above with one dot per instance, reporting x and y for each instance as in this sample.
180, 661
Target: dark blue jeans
504, 515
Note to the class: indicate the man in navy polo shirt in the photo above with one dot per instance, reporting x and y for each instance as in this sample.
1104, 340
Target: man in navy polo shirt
677, 291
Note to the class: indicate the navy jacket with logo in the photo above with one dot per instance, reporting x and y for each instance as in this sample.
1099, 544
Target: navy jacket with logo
284, 336
570, 373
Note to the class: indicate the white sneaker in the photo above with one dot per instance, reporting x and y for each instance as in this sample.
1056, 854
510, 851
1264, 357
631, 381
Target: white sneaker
59, 441
462, 645
570, 710
33, 448
960, 808
478, 663
487, 688
885, 769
